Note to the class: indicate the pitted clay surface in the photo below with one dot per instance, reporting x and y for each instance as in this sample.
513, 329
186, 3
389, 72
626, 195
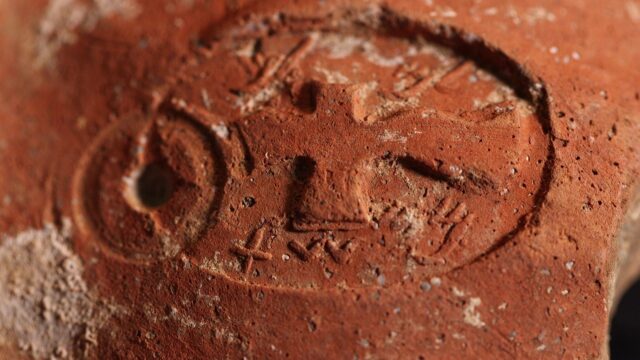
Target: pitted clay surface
402, 179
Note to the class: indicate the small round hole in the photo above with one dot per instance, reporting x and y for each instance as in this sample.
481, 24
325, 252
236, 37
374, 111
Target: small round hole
155, 185
303, 168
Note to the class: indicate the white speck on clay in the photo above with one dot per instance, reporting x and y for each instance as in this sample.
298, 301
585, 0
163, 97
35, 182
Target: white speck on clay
46, 308
491, 11
333, 77
392, 136
471, 316
206, 100
428, 113
63, 19
248, 103
376, 58
457, 292
530, 16
214, 266
448, 13
536, 14
221, 130
130, 180
340, 46
174, 314
246, 49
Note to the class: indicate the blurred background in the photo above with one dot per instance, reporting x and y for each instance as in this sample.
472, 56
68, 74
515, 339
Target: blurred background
625, 326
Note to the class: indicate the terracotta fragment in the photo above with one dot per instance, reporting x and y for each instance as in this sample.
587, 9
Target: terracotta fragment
402, 179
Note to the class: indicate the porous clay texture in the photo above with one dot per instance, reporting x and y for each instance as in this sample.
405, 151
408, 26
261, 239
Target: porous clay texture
343, 179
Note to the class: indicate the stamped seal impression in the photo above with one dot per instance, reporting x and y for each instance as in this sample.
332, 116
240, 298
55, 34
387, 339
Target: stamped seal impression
356, 150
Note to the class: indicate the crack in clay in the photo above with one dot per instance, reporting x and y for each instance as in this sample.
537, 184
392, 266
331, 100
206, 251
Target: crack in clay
46, 308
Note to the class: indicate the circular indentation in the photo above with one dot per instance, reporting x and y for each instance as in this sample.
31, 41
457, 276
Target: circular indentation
154, 185
146, 188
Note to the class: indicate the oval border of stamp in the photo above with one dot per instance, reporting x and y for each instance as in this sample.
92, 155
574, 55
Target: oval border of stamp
466, 45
